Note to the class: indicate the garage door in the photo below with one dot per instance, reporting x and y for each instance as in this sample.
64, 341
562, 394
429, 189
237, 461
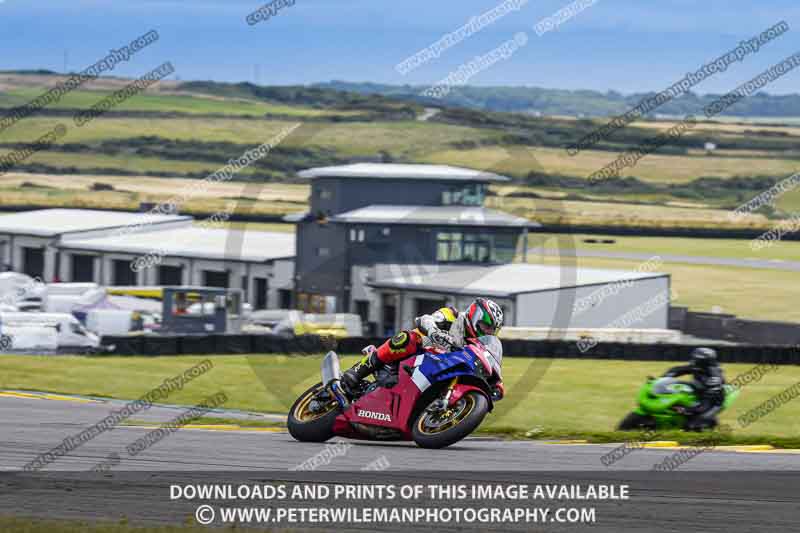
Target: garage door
82, 268
33, 262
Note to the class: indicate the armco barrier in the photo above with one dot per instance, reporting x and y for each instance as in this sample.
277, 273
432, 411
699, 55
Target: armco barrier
314, 345
732, 328
216, 344
618, 350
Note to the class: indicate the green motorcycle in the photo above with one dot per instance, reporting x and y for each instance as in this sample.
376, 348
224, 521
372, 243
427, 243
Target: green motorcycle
664, 402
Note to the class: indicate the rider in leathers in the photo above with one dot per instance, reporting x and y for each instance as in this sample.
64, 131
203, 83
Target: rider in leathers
706, 371
446, 328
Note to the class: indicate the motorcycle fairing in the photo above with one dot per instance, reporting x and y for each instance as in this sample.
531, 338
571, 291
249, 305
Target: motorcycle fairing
432, 368
392, 407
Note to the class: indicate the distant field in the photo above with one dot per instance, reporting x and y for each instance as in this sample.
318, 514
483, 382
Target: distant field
201, 129
727, 248
187, 146
74, 191
166, 103
655, 168
731, 125
619, 214
283, 198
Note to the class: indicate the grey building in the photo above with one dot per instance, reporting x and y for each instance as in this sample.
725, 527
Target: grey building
30, 240
366, 214
531, 295
121, 248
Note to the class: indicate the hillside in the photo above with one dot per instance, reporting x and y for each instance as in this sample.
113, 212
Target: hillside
555, 102
189, 130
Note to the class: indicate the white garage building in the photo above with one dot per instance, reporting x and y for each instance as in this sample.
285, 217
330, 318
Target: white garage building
118, 248
531, 295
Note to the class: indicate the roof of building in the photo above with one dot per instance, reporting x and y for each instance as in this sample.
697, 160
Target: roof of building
402, 171
497, 280
54, 222
196, 242
447, 215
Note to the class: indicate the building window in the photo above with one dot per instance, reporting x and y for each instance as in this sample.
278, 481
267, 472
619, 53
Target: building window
82, 268
325, 193
170, 275
285, 298
463, 247
123, 272
262, 286
216, 278
505, 248
386, 232
448, 247
323, 251
362, 310
472, 194
33, 262
357, 235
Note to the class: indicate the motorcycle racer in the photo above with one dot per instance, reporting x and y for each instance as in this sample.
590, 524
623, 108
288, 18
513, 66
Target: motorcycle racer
706, 371
446, 328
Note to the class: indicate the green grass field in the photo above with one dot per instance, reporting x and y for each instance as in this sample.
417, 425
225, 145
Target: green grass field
763, 294
655, 168
26, 525
725, 248
546, 398
165, 103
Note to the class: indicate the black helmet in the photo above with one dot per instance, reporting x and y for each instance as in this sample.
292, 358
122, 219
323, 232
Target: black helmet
704, 357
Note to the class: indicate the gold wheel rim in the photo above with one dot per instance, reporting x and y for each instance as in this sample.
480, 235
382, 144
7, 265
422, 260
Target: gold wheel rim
302, 413
452, 422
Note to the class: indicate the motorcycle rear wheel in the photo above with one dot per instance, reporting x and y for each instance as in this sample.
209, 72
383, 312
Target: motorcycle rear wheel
312, 426
430, 430
636, 421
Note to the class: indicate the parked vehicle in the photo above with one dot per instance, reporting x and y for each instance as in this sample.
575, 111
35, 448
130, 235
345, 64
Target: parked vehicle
434, 399
69, 332
663, 403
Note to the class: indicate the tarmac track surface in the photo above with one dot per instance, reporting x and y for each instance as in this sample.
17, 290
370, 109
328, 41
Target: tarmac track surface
714, 491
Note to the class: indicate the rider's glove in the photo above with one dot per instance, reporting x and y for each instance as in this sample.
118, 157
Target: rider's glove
368, 350
716, 395
442, 339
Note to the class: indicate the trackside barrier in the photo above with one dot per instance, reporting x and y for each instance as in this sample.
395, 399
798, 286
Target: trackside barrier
315, 345
216, 344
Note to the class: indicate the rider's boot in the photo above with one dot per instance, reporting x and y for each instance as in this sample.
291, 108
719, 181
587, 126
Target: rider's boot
703, 420
368, 365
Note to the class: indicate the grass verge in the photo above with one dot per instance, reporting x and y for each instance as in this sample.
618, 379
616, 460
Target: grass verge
546, 398
28, 525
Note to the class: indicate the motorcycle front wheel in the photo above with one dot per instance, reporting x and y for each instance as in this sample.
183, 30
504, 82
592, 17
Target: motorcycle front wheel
439, 429
312, 422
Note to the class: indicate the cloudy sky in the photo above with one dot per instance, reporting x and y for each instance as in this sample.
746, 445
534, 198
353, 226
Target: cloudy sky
622, 45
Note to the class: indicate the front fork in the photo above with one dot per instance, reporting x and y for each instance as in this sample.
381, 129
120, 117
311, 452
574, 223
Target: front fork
444, 402
339, 394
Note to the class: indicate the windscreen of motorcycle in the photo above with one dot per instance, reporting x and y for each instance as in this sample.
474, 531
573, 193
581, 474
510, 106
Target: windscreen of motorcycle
670, 386
495, 349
